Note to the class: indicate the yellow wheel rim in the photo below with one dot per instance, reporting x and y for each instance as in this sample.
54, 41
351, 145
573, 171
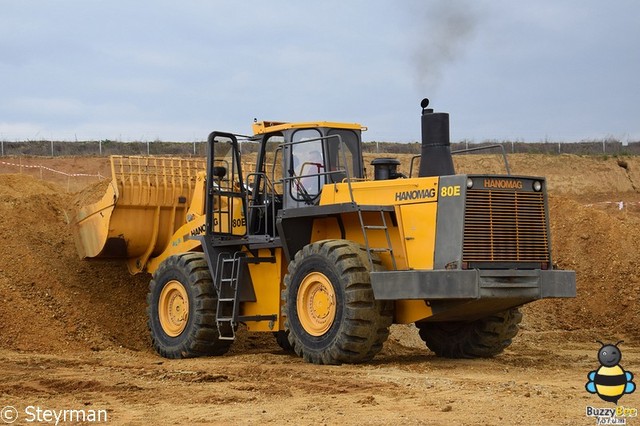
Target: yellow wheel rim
316, 304
173, 308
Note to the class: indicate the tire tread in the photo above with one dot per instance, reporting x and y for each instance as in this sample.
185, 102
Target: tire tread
366, 321
483, 338
201, 336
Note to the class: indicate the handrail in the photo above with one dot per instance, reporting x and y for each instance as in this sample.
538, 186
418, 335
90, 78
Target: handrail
479, 148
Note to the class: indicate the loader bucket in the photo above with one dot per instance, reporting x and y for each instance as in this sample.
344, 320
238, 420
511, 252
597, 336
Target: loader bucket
145, 203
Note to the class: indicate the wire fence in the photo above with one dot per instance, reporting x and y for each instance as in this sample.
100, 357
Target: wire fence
199, 149
603, 147
100, 148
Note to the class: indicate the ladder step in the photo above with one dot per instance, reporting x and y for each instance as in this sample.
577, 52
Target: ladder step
381, 227
380, 250
227, 285
224, 319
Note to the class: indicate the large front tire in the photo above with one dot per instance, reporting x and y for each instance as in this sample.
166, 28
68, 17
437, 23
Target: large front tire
482, 338
181, 309
331, 314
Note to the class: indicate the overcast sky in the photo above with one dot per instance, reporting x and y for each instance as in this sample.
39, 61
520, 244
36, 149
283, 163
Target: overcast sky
176, 70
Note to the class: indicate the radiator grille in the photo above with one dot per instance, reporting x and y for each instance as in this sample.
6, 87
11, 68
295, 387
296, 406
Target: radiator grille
505, 226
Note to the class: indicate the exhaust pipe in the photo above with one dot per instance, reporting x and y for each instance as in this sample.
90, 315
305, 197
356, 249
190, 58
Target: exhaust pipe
436, 146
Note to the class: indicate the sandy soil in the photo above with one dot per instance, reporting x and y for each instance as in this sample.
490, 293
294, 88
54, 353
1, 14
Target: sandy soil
74, 334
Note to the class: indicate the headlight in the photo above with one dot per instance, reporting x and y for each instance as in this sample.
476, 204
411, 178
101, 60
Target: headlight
469, 183
537, 186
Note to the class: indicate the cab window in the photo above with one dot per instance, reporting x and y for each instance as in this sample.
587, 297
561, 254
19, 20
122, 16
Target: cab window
306, 165
344, 164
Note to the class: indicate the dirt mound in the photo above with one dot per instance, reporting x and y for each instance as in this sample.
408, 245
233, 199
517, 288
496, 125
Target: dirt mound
20, 186
601, 243
52, 300
565, 174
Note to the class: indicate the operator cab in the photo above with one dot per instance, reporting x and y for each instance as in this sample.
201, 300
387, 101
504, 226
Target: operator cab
303, 157
294, 163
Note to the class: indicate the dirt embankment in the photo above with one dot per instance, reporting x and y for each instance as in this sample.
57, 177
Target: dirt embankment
52, 300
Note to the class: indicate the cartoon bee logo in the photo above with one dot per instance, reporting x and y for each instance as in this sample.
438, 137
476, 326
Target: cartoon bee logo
610, 381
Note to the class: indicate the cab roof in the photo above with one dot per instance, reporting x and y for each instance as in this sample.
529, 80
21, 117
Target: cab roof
262, 127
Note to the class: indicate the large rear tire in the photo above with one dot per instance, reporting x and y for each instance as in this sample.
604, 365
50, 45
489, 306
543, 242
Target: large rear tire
331, 314
181, 309
482, 338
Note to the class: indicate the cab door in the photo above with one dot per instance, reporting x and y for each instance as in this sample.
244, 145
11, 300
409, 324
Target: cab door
305, 167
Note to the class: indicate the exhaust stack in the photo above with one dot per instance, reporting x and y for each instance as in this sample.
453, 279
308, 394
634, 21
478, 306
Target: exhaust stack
436, 146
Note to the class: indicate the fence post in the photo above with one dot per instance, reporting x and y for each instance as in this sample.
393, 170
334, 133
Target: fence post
100, 147
2, 145
52, 147
147, 148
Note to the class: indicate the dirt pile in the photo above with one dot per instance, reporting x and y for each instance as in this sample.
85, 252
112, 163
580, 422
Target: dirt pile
601, 243
52, 300
565, 174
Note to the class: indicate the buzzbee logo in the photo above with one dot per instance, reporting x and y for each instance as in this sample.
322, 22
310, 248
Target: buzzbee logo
610, 381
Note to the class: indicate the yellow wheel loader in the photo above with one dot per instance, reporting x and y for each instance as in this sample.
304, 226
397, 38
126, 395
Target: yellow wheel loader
301, 245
